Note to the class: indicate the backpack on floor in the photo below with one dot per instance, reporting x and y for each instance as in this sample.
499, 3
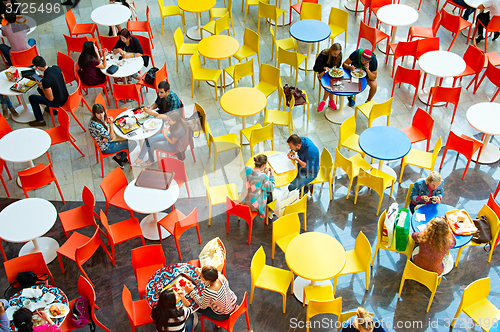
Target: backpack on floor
80, 314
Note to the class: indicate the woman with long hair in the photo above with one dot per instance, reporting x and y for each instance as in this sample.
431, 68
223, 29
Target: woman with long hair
23, 321
90, 65
434, 242
168, 317
362, 322
258, 185
328, 58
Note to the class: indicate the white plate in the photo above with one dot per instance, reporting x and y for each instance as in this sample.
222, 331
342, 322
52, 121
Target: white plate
62, 307
340, 73
151, 124
10, 312
361, 72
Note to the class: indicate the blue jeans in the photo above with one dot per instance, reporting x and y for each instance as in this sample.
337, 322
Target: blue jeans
302, 179
468, 9
5, 49
5, 101
156, 142
114, 147
189, 323
36, 100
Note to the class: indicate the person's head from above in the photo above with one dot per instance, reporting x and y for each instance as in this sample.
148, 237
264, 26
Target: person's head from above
125, 36
209, 274
99, 113
39, 63
260, 161
167, 299
10, 17
335, 50
165, 309
437, 234
433, 180
23, 320
364, 321
366, 56
163, 88
294, 142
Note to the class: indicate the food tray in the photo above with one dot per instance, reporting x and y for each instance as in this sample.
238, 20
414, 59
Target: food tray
125, 131
179, 283
23, 85
467, 226
154, 178
348, 85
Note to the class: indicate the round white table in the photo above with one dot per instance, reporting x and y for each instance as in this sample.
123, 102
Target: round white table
29, 21
151, 201
485, 117
127, 68
440, 64
27, 220
24, 145
24, 110
110, 15
395, 15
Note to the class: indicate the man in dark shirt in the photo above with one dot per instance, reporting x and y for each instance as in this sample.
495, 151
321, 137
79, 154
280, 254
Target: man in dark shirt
166, 101
307, 159
53, 91
366, 60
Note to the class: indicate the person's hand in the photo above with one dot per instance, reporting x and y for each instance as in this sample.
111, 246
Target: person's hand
293, 156
425, 198
326, 69
352, 67
105, 52
198, 271
188, 288
436, 199
44, 315
367, 65
117, 50
109, 119
123, 53
39, 84
105, 140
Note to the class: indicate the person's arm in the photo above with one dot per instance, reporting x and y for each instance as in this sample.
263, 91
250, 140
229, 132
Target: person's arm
202, 301
4, 321
414, 236
372, 75
48, 94
111, 132
118, 47
294, 156
415, 193
348, 64
320, 66
184, 301
103, 63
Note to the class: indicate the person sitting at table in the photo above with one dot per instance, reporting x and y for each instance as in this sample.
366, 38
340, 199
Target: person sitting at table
4, 321
306, 154
434, 242
367, 61
166, 101
217, 300
328, 58
23, 321
90, 65
53, 94
174, 138
167, 317
362, 322
100, 129
129, 47
16, 34
258, 185
468, 9
492, 8
9, 5
427, 190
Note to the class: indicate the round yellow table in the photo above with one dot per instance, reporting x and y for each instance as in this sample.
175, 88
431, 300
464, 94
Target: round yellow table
315, 258
195, 6
280, 180
218, 47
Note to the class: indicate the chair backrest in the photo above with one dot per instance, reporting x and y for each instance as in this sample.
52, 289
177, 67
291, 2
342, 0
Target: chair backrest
243, 69
258, 262
325, 307
475, 292
36, 177
174, 165
446, 94
126, 91
222, 24
376, 4
449, 21
113, 182
493, 73
67, 66
366, 32
310, 11
161, 75
203, 114
75, 44
460, 144
405, 48
70, 20
288, 57
267, 10
437, 148
86, 289
427, 278
85, 251
104, 221
262, 134
408, 195
128, 303
269, 74
88, 197
344, 163
372, 181
326, 163
186, 222
423, 121
64, 120
363, 249
145, 44
493, 220
243, 307
380, 226
426, 45
347, 128
379, 110
493, 205
195, 63
24, 58
147, 255
108, 42
251, 39
237, 209
407, 75
29, 262
436, 22
178, 39
205, 181
285, 226
474, 58
338, 17
4, 127
298, 207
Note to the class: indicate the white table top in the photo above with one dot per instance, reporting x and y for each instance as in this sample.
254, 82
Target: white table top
110, 15
129, 67
397, 15
141, 133
442, 64
474, 3
485, 117
27, 219
24, 145
29, 22
149, 200
6, 84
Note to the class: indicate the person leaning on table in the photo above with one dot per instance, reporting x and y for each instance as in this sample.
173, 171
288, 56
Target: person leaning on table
166, 101
367, 61
362, 322
306, 154
328, 58
129, 47
23, 321
484, 17
427, 190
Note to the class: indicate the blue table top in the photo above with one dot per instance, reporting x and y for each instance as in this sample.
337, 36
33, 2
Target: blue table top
437, 210
384, 143
325, 81
310, 31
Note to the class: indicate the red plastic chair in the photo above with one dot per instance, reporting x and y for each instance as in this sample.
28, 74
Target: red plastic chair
177, 166
441, 94
461, 10
126, 91
30, 262
421, 127
146, 47
146, 260
493, 74
100, 156
454, 24
496, 208
228, 324
38, 177
373, 35
142, 26
71, 105
113, 187
374, 7
3, 165
474, 60
409, 76
402, 49
75, 44
493, 26
86, 88
138, 312
4, 127
366, 4
298, 6
67, 66
160, 75
497, 190
79, 28
463, 145
176, 223
60, 134
108, 42
2, 251
24, 58
113, 112
425, 32
79, 217
241, 211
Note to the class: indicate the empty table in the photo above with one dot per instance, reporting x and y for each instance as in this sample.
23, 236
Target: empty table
27, 220
197, 7
24, 110
110, 15
395, 15
218, 47
310, 31
485, 117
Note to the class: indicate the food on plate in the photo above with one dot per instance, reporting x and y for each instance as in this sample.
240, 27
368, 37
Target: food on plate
358, 73
336, 72
55, 310
152, 123
140, 113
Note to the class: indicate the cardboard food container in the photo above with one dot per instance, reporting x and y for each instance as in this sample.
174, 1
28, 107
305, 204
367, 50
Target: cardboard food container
12, 74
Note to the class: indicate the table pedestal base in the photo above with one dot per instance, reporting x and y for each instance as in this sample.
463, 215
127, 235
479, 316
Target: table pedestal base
489, 155
299, 284
194, 33
236, 129
339, 115
310, 60
46, 245
150, 229
25, 114
229, 82
351, 6
423, 95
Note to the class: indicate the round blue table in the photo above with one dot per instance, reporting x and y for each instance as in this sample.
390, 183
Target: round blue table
437, 210
342, 113
384, 143
310, 31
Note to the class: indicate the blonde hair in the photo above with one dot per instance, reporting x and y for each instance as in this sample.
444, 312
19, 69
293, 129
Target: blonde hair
433, 177
437, 234
364, 319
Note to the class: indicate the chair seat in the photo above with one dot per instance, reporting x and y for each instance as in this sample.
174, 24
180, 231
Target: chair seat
169, 221
143, 275
419, 158
387, 178
137, 25
352, 143
247, 132
142, 82
68, 249
77, 218
118, 200
420, 32
57, 135
244, 52
335, 31
188, 49
352, 264
252, 2
493, 58
464, 25
366, 108
284, 242
226, 142
142, 312
286, 43
359, 162
218, 194
122, 230
414, 134
468, 71
266, 88
84, 28
206, 74
276, 117
483, 312
379, 36
272, 278
171, 10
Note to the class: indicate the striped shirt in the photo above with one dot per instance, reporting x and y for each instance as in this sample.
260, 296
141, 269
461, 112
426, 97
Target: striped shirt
179, 325
222, 301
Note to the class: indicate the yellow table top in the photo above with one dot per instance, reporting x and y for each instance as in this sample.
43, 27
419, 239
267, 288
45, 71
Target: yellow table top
315, 256
196, 6
243, 101
218, 47
280, 180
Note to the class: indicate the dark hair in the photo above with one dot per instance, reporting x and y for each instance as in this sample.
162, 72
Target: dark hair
23, 320
88, 54
179, 122
125, 33
260, 160
294, 139
98, 109
164, 85
39, 61
165, 309
209, 273
10, 17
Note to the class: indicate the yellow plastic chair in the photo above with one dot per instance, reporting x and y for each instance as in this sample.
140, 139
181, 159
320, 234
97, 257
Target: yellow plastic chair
338, 23
494, 228
346, 315
357, 260
325, 172
408, 196
174, 10
270, 12
222, 143
292, 58
269, 277
298, 207
285, 229
281, 118
202, 74
240, 70
310, 11
319, 293
250, 46
348, 137
251, 3
220, 12
182, 48
285, 43
217, 195
351, 166
323, 307
372, 110
304, 105
215, 27
376, 180
429, 279
421, 159
409, 246
476, 305
256, 134
269, 80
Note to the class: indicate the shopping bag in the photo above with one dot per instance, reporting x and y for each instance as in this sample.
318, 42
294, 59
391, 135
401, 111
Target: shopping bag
388, 231
402, 229
283, 199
